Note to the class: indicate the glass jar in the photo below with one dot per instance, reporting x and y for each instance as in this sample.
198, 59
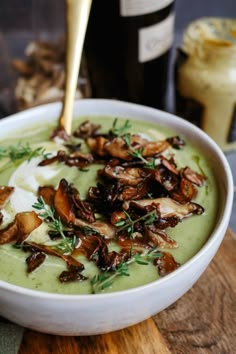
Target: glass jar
205, 78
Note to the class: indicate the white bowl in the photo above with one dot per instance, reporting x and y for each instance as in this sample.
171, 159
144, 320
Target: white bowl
96, 314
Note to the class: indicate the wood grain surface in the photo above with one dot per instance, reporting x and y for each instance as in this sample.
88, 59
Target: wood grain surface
203, 321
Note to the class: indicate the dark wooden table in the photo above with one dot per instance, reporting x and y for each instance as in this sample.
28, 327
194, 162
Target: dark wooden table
203, 321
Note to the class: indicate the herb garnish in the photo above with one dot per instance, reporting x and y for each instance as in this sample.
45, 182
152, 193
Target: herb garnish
128, 223
18, 153
118, 131
105, 280
138, 153
67, 245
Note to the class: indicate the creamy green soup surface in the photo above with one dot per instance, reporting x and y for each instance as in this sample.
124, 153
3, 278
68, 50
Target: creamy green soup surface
190, 234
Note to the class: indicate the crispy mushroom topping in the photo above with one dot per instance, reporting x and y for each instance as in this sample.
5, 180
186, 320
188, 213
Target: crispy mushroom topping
75, 158
167, 206
100, 227
82, 209
86, 130
48, 194
160, 239
70, 261
96, 250
193, 176
176, 142
134, 193
5, 193
166, 264
35, 260
20, 228
96, 145
63, 203
117, 148
72, 274
127, 176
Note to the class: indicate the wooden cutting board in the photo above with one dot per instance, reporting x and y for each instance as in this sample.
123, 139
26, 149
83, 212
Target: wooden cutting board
202, 321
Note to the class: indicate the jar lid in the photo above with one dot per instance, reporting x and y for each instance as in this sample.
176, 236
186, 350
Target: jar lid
211, 32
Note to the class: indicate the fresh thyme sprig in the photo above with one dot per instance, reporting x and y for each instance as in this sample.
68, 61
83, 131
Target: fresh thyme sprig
119, 131
128, 223
47, 214
105, 280
138, 153
18, 153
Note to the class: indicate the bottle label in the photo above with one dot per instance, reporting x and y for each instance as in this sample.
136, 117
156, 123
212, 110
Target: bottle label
142, 7
155, 40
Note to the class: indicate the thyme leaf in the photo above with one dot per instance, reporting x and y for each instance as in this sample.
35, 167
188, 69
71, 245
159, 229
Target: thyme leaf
105, 280
21, 151
129, 223
18, 153
138, 153
119, 131
48, 215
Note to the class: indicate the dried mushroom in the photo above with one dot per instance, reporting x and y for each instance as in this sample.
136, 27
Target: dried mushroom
42, 75
20, 228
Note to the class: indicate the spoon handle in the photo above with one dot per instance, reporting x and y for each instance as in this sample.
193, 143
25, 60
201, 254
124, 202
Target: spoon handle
76, 24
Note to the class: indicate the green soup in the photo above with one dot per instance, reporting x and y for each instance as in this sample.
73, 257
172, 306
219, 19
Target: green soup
190, 234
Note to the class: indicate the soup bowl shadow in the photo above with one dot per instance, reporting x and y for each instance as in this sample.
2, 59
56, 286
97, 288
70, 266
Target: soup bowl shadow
100, 313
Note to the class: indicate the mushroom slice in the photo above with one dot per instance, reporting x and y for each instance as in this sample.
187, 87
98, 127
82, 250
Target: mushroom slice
193, 176
153, 148
20, 228
71, 261
75, 158
91, 245
166, 264
167, 207
8, 234
160, 239
83, 209
96, 250
127, 176
118, 148
5, 193
169, 164
104, 229
78, 158
134, 192
86, 130
188, 189
59, 157
35, 260
48, 194
176, 142
96, 145
167, 179
63, 203
72, 274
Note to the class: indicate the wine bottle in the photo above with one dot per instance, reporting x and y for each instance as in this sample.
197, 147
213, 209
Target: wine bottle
127, 47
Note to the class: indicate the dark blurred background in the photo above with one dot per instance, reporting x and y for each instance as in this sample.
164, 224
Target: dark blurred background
26, 20
187, 10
